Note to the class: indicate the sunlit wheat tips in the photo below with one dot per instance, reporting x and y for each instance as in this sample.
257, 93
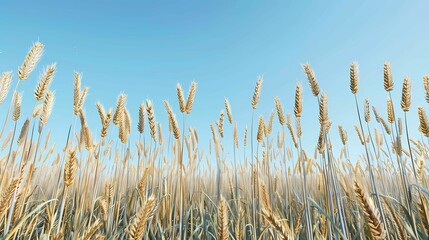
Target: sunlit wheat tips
7, 195
235, 135
406, 94
343, 134
367, 111
17, 100
257, 92
323, 110
44, 82
151, 119
311, 79
228, 111
137, 227
70, 167
101, 112
354, 77
124, 126
390, 111
280, 114
30, 61
181, 98
269, 124
76, 93
370, 212
37, 110
424, 123
223, 224
298, 101
388, 80
127, 120
425, 85
362, 141
23, 133
5, 80
106, 123
261, 129
191, 97
220, 122
120, 107
172, 120
140, 125
47, 109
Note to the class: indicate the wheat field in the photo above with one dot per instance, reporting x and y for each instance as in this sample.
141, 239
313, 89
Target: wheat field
157, 189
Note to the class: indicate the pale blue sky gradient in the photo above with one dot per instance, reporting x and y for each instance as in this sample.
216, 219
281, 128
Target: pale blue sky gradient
144, 48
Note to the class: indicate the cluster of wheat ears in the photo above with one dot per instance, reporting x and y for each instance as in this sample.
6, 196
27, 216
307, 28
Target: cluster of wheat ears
157, 189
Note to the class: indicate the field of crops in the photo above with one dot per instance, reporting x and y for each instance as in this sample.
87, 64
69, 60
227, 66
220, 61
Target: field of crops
263, 189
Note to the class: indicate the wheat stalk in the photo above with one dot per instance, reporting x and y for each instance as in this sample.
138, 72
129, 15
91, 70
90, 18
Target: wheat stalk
172, 120
138, 226
371, 213
47, 109
120, 106
388, 80
140, 125
5, 80
406, 95
323, 110
390, 112
44, 82
343, 134
425, 85
7, 195
424, 123
257, 92
311, 79
30, 61
354, 77
228, 111
151, 119
366, 111
191, 97
24, 131
223, 223
70, 167
279, 109
76, 93
261, 129
298, 101
17, 101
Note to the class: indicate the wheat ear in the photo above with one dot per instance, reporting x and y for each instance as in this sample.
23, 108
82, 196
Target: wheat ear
298, 101
30, 61
406, 95
172, 120
388, 80
223, 233
44, 82
151, 119
311, 79
228, 111
5, 80
425, 85
279, 109
191, 97
354, 77
140, 125
17, 100
144, 214
257, 92
371, 213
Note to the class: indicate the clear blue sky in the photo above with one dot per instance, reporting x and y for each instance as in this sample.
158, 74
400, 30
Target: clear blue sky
144, 48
